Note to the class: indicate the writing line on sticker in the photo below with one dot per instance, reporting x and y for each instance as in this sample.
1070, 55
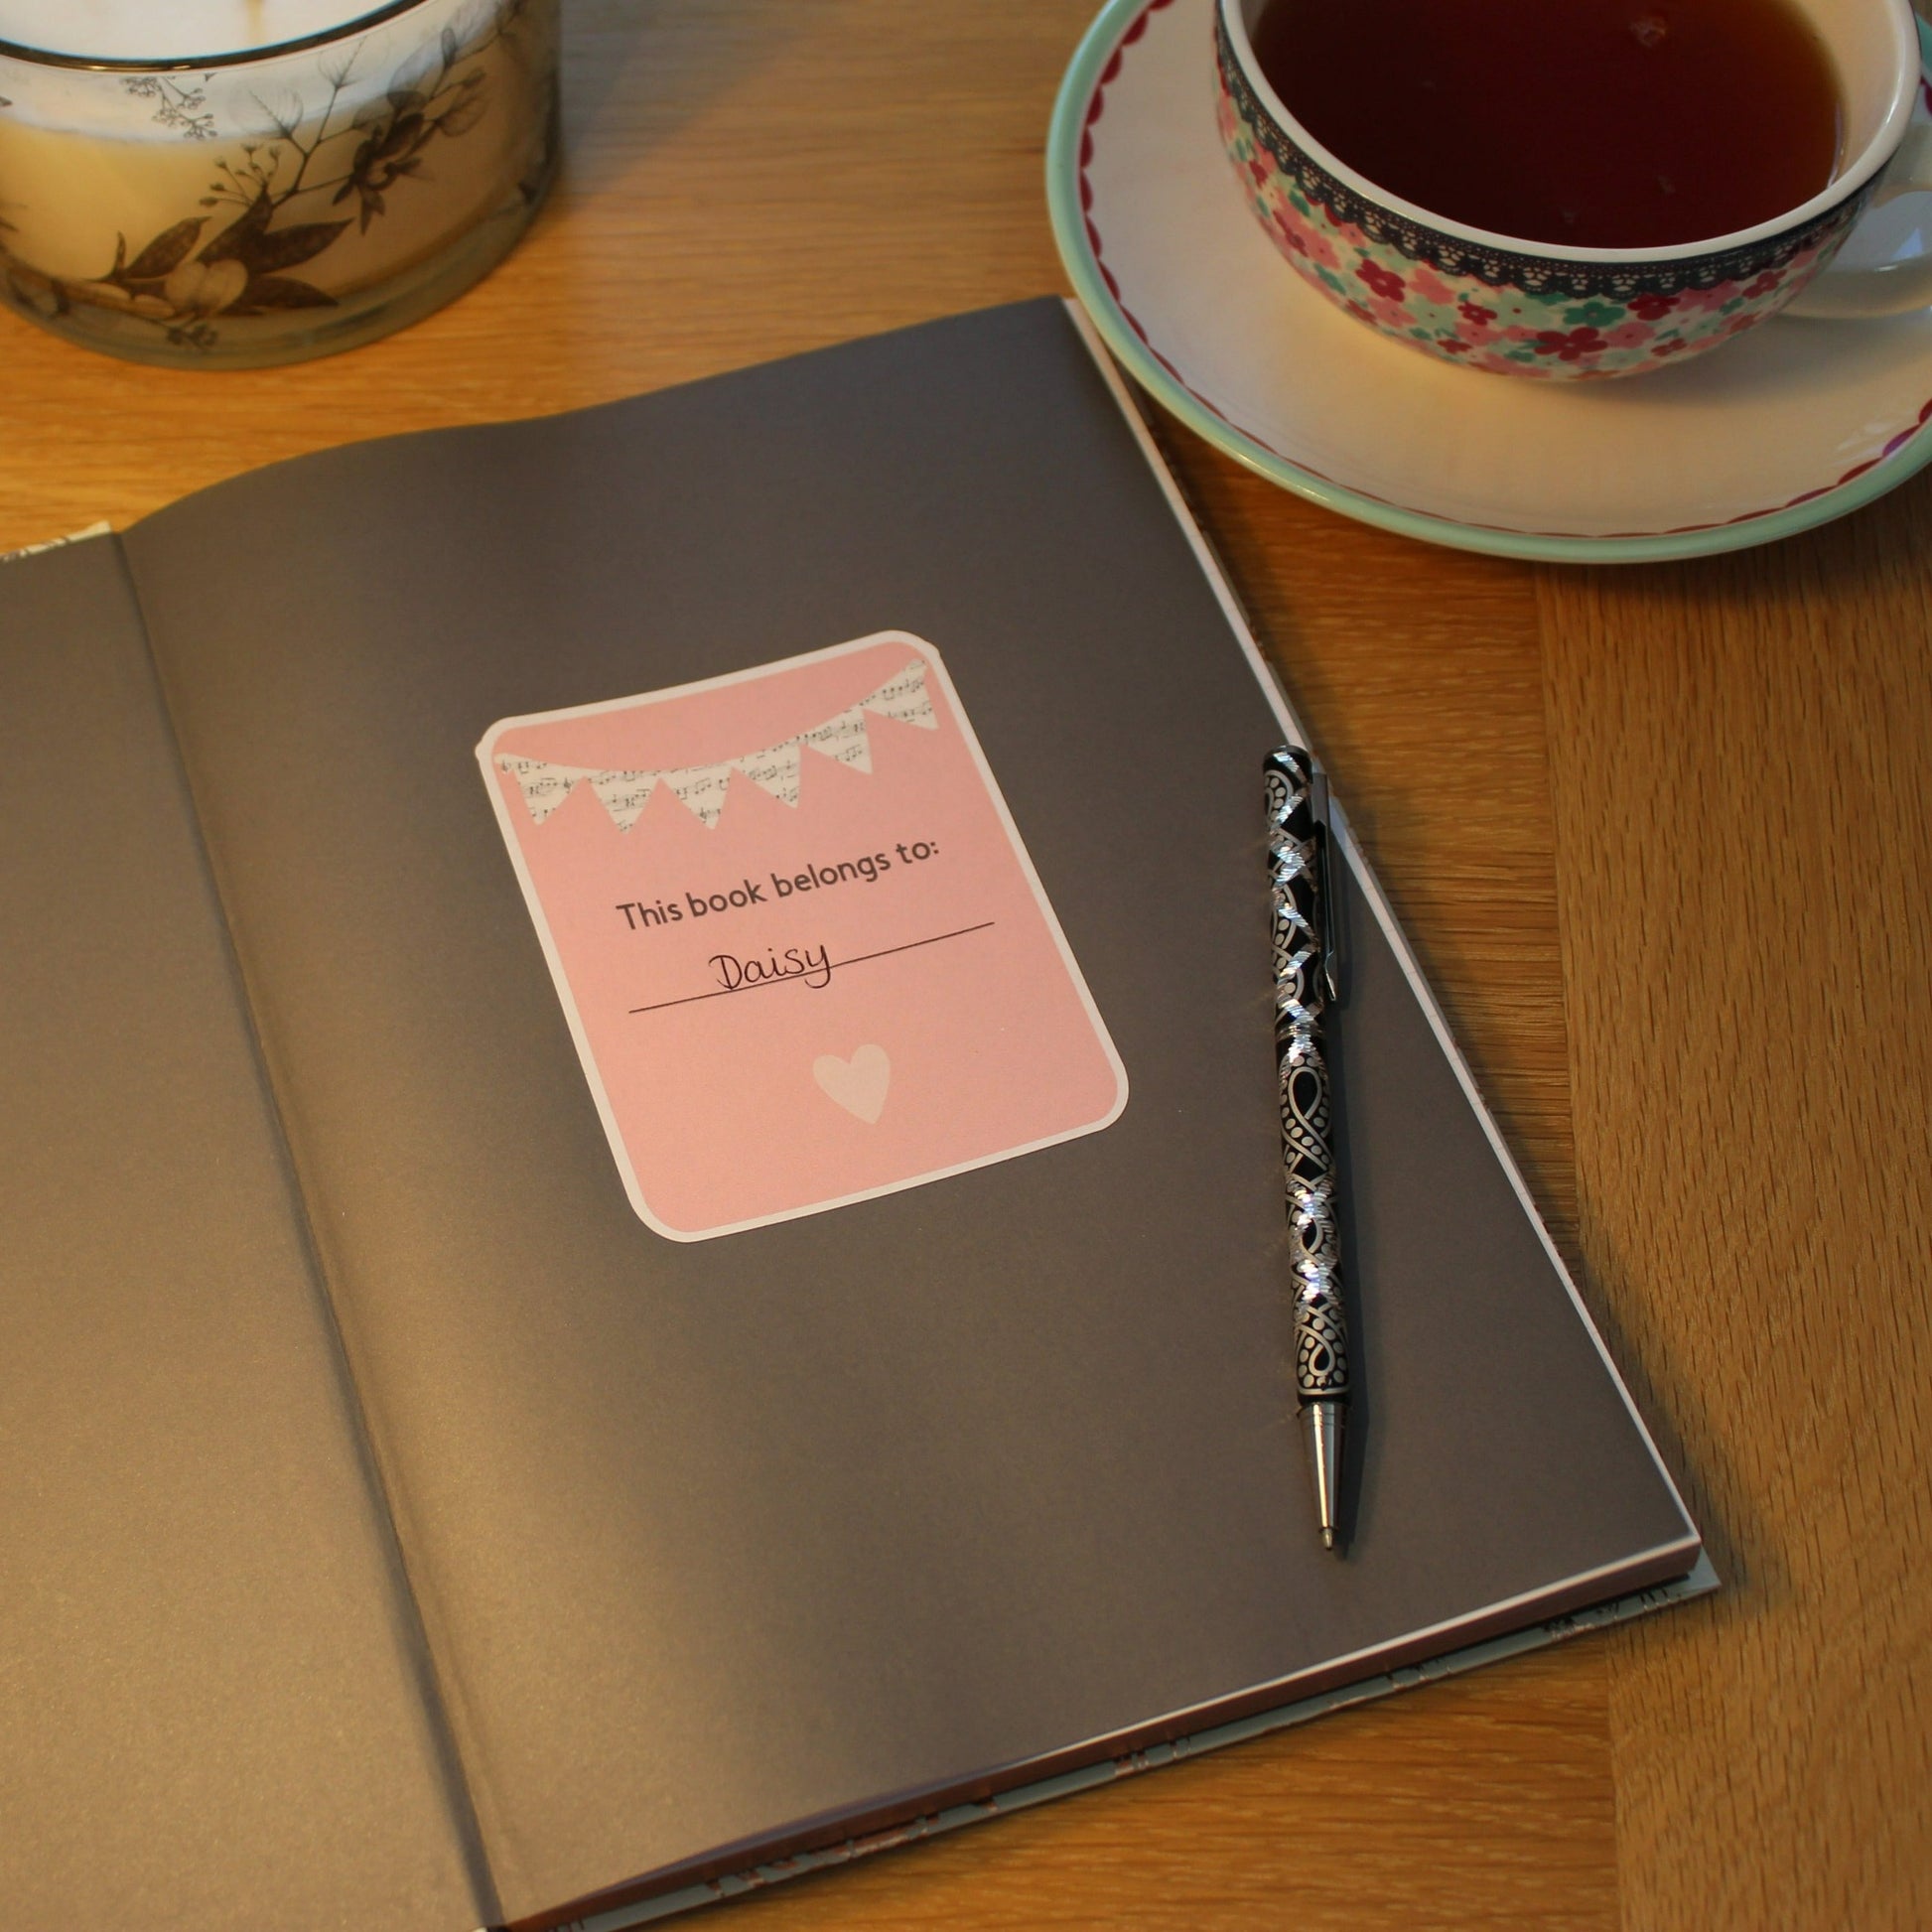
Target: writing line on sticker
827, 966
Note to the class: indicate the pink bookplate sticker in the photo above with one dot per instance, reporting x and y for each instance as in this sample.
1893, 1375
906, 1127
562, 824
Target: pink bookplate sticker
801, 948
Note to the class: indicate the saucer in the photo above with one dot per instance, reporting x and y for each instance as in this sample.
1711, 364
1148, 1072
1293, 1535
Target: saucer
1793, 424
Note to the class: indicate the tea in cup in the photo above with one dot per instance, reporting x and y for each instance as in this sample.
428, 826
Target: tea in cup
1592, 187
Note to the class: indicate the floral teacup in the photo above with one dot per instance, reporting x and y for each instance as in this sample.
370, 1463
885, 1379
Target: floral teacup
1523, 307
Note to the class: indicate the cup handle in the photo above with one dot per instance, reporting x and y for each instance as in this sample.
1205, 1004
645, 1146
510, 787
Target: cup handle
1887, 288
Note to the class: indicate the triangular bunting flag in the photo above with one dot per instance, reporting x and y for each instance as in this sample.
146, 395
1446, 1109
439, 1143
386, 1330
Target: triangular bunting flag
843, 738
774, 770
905, 699
625, 794
545, 785
701, 788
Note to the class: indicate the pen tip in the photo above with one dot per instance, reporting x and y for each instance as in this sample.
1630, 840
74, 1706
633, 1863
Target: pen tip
1327, 1537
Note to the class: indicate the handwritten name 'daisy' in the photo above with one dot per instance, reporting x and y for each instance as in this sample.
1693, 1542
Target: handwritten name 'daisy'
812, 964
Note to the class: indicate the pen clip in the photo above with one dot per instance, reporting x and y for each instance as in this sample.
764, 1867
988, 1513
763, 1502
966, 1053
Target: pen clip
1325, 878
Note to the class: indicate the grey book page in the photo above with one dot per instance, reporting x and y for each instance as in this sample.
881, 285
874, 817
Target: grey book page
213, 1685
731, 1544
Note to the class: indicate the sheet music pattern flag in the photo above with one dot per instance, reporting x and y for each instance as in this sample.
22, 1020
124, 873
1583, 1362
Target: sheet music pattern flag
701, 788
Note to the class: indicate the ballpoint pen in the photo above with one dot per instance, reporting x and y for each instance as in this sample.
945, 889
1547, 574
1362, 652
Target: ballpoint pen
1303, 931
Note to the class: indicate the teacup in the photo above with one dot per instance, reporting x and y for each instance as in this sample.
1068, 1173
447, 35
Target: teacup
1525, 307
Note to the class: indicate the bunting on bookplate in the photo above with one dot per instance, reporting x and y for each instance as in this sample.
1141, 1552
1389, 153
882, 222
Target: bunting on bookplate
701, 788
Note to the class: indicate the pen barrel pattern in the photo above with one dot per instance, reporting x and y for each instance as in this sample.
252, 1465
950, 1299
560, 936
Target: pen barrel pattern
1301, 999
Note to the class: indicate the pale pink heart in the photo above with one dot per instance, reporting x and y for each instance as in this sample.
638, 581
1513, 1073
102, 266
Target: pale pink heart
858, 1085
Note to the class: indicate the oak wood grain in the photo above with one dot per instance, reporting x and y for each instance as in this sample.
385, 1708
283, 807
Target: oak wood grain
1688, 801
1741, 751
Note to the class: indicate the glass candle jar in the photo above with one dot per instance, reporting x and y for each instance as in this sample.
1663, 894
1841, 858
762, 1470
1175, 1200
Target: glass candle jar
231, 183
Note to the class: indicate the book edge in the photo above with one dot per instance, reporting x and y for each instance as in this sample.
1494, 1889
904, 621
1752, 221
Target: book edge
1700, 1581
101, 529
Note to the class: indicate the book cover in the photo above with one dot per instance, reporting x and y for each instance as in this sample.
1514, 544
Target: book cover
955, 1455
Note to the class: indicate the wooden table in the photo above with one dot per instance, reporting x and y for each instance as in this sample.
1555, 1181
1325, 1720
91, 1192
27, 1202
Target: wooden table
1662, 836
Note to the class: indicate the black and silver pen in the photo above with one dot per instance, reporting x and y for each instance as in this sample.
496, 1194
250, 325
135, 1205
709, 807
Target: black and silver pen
1303, 932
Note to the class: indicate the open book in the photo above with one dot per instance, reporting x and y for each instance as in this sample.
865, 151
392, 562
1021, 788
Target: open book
642, 1225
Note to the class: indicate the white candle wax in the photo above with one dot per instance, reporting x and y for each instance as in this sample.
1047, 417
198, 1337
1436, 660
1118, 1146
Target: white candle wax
260, 192
142, 30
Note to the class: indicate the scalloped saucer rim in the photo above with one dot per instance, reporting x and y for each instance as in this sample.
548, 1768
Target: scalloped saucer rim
1795, 424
